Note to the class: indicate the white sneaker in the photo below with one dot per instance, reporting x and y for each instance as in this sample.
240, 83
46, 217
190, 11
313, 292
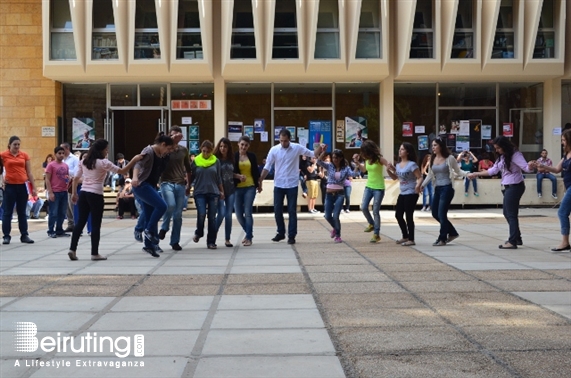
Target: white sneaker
554, 196
538, 195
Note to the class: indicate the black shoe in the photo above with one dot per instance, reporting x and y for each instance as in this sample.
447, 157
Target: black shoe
62, 235
150, 237
162, 234
278, 237
6, 240
151, 251
519, 242
52, 235
291, 240
69, 229
138, 236
567, 248
176, 247
26, 239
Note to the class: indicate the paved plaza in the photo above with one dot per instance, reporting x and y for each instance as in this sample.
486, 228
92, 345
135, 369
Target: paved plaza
314, 309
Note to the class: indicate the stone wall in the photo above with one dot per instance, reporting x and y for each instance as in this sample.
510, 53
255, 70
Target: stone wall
28, 100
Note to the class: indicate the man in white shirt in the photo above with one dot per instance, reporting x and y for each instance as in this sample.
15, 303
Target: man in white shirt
72, 162
285, 157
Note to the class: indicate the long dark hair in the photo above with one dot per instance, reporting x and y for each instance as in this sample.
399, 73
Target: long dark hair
370, 151
509, 149
229, 154
341, 157
163, 138
410, 151
567, 137
444, 151
95, 152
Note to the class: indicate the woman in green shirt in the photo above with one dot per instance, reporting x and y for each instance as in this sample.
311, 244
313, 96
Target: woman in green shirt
375, 188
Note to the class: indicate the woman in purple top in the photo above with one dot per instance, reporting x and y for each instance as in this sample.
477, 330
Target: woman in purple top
511, 164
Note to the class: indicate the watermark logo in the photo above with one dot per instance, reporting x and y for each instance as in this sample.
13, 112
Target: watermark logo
25, 337
25, 340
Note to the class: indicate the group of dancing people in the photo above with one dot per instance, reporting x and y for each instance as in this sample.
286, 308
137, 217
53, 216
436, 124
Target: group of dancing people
225, 182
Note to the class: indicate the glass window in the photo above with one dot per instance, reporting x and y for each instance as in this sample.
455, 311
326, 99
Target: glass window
566, 103
62, 45
327, 37
463, 41
369, 38
189, 39
460, 94
416, 103
357, 107
250, 104
504, 41
84, 101
522, 105
124, 95
422, 43
201, 116
285, 31
104, 39
545, 40
243, 38
302, 95
147, 45
449, 117
153, 95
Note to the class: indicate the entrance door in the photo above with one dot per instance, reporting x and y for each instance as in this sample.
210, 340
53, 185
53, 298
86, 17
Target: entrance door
133, 130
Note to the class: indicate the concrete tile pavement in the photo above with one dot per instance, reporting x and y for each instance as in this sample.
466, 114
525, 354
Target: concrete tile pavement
316, 309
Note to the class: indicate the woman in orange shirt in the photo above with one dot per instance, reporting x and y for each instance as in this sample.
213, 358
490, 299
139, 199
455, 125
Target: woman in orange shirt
18, 170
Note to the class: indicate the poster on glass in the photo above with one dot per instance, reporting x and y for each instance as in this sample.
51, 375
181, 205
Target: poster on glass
355, 131
320, 132
83, 130
407, 129
249, 132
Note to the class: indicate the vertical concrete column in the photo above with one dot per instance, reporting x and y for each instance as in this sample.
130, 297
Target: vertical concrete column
386, 126
219, 84
552, 117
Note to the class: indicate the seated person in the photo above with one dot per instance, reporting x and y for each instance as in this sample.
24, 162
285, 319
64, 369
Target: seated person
34, 205
126, 201
544, 160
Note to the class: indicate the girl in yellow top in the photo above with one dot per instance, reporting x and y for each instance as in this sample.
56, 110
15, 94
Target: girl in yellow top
375, 188
246, 171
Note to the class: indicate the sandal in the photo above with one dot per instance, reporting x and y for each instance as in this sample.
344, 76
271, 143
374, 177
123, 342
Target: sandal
408, 243
400, 241
211, 246
247, 243
196, 238
228, 244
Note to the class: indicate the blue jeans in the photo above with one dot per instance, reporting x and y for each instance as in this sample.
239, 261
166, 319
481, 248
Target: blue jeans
202, 202
58, 208
34, 208
142, 220
377, 195
564, 211
225, 207
154, 207
549, 176
333, 205
348, 190
279, 195
512, 196
440, 205
15, 194
467, 184
174, 196
427, 192
243, 207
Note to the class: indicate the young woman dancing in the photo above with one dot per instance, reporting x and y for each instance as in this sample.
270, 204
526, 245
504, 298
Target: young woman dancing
511, 164
375, 187
442, 171
337, 172
93, 169
223, 152
410, 179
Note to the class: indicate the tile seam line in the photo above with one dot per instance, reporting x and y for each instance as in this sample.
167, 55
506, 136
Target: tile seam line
477, 345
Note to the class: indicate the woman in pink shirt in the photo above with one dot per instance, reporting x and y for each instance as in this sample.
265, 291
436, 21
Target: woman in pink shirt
511, 164
93, 169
